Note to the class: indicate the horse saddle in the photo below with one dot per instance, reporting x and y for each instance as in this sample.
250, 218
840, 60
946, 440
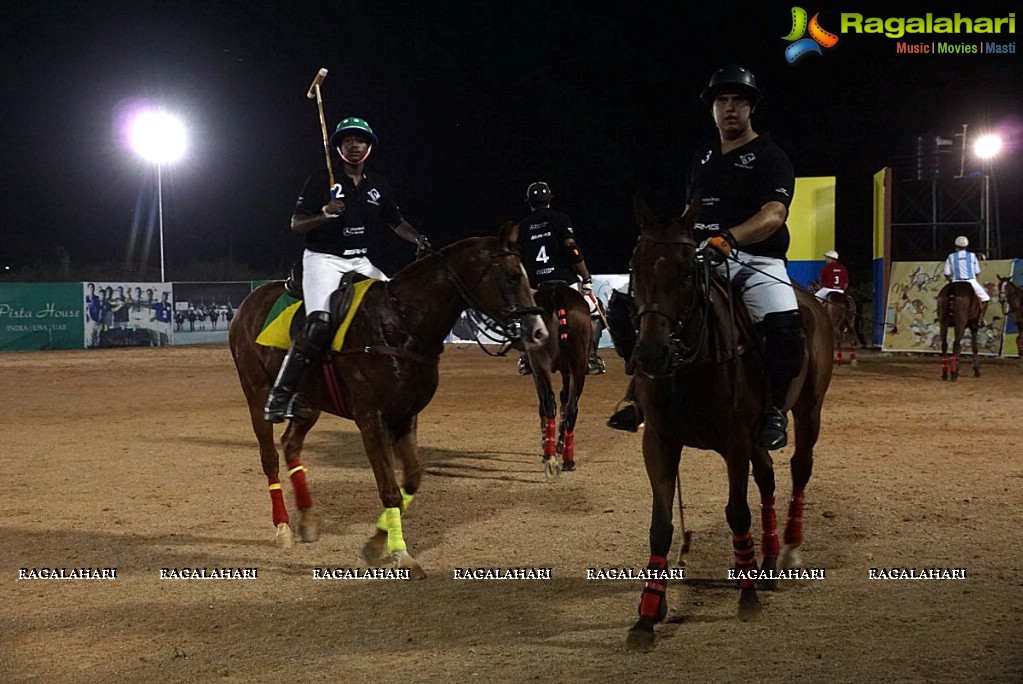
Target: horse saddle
286, 319
736, 334
340, 301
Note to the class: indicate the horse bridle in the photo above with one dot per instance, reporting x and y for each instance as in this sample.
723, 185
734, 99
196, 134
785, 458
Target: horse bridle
683, 354
508, 323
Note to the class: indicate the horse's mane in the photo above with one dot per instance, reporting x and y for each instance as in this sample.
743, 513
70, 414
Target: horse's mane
412, 270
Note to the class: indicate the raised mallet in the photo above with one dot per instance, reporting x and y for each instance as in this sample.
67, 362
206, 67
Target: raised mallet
314, 92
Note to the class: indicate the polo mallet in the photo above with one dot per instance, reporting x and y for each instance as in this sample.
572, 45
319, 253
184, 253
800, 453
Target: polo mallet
687, 535
314, 93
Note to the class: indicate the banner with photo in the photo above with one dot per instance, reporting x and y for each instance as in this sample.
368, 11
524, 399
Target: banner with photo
40, 316
203, 311
912, 307
465, 330
118, 314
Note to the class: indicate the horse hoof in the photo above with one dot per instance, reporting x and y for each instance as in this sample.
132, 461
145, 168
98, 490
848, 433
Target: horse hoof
568, 465
790, 558
551, 469
374, 551
403, 559
284, 538
770, 565
309, 527
750, 610
641, 636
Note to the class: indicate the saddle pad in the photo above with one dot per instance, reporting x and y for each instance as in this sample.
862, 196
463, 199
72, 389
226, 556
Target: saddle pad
276, 329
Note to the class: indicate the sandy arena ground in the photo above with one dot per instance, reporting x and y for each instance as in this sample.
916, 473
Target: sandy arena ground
143, 460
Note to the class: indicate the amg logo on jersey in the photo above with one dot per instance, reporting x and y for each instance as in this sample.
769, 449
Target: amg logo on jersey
540, 236
544, 271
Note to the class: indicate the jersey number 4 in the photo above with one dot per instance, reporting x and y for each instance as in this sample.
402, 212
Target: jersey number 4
541, 256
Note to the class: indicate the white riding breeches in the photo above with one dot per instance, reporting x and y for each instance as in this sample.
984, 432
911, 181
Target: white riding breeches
764, 290
823, 293
321, 274
981, 292
591, 301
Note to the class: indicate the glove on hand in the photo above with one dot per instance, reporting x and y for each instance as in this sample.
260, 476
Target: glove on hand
718, 247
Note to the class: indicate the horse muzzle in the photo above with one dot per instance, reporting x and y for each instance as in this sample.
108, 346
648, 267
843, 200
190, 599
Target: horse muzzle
653, 359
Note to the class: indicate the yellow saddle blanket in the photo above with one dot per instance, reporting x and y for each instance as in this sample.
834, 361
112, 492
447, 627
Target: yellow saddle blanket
276, 330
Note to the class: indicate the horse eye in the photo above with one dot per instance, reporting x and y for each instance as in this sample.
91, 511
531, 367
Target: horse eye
512, 279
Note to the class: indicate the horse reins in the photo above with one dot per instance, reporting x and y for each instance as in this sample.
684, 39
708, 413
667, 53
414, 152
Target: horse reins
508, 329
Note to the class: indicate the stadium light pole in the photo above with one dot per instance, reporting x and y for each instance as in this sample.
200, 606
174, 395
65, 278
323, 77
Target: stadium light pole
987, 148
158, 137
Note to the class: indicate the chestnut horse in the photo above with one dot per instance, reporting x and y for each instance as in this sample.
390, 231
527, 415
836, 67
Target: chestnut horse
701, 383
567, 317
958, 307
846, 321
386, 372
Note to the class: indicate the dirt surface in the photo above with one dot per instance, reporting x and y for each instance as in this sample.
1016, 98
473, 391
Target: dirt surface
143, 460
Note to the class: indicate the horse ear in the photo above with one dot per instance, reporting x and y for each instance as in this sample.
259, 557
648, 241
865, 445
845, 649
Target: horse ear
645, 218
508, 236
690, 216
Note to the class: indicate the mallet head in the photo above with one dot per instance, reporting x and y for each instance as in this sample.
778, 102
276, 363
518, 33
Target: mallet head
320, 75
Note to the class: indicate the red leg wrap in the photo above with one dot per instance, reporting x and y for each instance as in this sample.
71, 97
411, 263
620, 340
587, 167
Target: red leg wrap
653, 605
745, 557
298, 484
550, 447
955, 363
852, 352
794, 526
568, 452
769, 544
839, 357
280, 512
944, 364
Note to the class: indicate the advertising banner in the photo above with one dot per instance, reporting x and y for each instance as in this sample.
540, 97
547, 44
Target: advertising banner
40, 316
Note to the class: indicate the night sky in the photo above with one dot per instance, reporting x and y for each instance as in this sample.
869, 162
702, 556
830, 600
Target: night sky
472, 101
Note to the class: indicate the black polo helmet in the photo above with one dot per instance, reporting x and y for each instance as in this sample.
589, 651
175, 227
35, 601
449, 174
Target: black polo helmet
732, 77
538, 193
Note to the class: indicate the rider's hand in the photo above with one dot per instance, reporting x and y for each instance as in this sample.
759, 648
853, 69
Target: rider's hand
333, 208
718, 247
423, 247
587, 287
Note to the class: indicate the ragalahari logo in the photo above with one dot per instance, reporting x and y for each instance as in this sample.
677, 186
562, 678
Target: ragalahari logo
803, 46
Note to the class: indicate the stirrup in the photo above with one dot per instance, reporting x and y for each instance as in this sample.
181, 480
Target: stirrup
774, 433
299, 409
628, 418
524, 367
277, 406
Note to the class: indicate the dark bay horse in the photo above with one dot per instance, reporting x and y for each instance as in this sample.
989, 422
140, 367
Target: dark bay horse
1010, 296
386, 372
845, 319
958, 308
567, 317
700, 383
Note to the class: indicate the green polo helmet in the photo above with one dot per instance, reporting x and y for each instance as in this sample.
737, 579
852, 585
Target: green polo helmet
352, 124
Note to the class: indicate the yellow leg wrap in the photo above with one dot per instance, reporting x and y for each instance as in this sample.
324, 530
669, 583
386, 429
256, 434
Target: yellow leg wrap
395, 541
406, 501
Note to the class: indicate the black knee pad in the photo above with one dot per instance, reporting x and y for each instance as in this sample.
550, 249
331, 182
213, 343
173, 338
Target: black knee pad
621, 314
784, 342
317, 329
783, 335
